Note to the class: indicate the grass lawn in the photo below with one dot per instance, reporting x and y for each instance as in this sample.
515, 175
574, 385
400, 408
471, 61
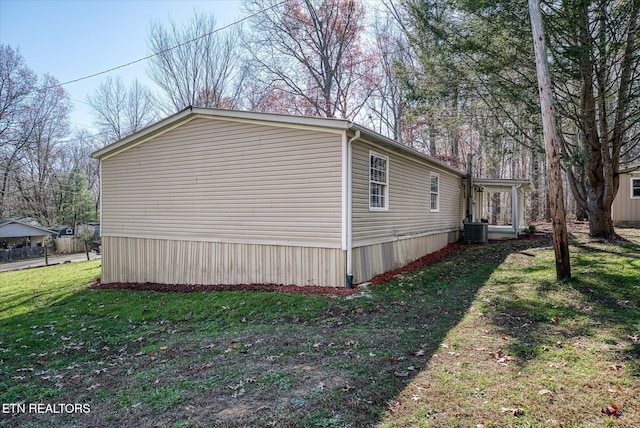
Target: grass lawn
483, 338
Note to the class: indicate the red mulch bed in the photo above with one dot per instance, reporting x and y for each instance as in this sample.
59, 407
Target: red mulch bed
187, 288
416, 264
296, 289
430, 258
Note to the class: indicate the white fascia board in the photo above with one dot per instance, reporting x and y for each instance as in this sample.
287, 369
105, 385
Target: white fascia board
143, 135
504, 184
306, 121
381, 140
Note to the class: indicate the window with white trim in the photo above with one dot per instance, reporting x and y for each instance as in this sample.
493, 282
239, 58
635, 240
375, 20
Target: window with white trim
378, 182
435, 192
635, 188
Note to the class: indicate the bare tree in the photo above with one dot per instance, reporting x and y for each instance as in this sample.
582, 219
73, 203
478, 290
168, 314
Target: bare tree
17, 85
120, 111
195, 65
43, 127
310, 51
387, 105
41, 171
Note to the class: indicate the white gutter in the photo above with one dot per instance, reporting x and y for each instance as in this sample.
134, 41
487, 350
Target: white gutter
349, 210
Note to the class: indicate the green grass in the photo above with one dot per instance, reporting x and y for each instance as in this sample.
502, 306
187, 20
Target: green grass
33, 290
485, 336
535, 353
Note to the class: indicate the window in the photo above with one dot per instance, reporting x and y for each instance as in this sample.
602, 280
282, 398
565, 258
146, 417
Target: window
378, 181
635, 188
435, 192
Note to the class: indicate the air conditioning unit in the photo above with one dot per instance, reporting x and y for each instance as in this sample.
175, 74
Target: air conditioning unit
476, 232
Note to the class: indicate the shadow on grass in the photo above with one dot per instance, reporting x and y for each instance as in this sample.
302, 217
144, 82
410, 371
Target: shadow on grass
40, 293
556, 314
242, 359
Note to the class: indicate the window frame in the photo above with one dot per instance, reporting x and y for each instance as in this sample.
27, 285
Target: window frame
433, 175
385, 184
631, 187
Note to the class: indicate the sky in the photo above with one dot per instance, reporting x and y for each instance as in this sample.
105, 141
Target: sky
74, 39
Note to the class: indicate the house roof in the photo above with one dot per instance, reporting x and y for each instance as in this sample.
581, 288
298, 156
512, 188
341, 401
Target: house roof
26, 222
631, 169
192, 113
503, 184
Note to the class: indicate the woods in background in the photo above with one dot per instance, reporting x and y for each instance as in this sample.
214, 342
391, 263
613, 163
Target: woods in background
452, 79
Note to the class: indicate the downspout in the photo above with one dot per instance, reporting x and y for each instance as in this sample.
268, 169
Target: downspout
350, 209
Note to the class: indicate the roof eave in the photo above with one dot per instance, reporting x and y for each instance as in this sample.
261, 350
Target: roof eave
191, 113
43, 229
194, 112
527, 185
146, 132
401, 147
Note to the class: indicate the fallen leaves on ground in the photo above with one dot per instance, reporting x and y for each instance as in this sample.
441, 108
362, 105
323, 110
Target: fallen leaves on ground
393, 403
612, 410
501, 357
513, 411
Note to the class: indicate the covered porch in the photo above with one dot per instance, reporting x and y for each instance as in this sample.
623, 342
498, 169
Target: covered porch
501, 204
21, 238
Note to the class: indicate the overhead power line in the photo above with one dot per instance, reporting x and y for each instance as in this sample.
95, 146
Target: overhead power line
168, 49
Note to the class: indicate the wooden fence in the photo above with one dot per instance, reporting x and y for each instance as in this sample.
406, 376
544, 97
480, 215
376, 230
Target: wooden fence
68, 245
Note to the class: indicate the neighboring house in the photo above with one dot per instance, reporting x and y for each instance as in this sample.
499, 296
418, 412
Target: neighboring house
93, 228
21, 238
64, 231
21, 232
625, 210
227, 197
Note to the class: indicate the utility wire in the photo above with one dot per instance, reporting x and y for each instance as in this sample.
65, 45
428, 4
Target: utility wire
168, 49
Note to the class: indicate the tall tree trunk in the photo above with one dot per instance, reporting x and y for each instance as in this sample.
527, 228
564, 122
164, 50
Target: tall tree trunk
581, 213
433, 150
560, 237
600, 221
3, 191
455, 132
536, 200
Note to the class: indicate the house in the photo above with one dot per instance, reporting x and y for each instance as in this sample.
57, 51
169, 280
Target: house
92, 228
211, 196
64, 231
22, 232
21, 238
625, 211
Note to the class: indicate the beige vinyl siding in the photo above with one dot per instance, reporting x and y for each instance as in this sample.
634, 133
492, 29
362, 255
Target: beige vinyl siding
226, 181
625, 210
409, 212
374, 259
141, 260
